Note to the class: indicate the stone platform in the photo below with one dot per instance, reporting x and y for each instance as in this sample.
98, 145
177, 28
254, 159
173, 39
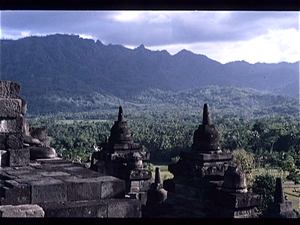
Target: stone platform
65, 189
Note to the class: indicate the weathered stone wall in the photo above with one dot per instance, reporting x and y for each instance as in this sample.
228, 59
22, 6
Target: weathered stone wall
11, 124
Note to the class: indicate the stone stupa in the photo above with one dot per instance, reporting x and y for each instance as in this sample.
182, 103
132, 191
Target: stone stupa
234, 200
198, 173
206, 159
280, 208
123, 158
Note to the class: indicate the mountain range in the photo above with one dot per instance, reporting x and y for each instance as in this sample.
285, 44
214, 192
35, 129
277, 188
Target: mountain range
67, 66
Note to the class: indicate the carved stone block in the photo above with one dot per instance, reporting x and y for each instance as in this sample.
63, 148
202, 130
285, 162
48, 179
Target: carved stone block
47, 190
138, 175
23, 211
15, 193
118, 156
92, 209
242, 213
10, 108
55, 209
205, 157
111, 187
124, 208
11, 125
188, 191
236, 200
18, 157
82, 189
14, 141
9, 89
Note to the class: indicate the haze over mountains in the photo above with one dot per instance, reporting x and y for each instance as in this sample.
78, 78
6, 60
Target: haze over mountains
66, 66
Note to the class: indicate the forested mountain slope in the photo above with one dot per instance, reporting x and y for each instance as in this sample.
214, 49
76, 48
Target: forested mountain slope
63, 73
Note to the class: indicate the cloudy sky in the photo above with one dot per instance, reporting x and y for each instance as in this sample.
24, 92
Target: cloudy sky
224, 36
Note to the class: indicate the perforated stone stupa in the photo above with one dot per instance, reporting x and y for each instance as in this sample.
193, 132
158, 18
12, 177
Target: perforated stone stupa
198, 172
206, 159
122, 157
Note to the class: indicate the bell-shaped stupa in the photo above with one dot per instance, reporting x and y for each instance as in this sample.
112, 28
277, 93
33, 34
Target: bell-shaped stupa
234, 180
233, 200
120, 135
199, 172
206, 138
121, 157
206, 158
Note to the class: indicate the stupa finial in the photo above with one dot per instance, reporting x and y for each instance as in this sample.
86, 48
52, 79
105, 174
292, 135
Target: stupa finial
121, 114
206, 115
279, 195
157, 176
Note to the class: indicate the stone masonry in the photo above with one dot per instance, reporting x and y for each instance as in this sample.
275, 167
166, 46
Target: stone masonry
279, 208
11, 122
121, 157
205, 183
233, 200
51, 187
198, 173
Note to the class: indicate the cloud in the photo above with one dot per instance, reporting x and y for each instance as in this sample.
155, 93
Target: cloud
151, 27
198, 31
45, 22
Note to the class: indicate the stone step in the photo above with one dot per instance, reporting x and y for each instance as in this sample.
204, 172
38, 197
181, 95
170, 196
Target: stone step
23, 211
56, 181
107, 208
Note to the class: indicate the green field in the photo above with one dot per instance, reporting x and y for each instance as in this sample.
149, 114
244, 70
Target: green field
78, 121
273, 172
164, 173
293, 196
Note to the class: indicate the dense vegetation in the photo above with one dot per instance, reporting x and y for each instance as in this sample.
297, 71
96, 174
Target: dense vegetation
264, 185
273, 140
225, 102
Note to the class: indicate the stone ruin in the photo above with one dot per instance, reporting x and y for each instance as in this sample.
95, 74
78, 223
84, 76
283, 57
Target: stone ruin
279, 208
156, 196
233, 200
121, 157
206, 183
11, 126
36, 183
198, 173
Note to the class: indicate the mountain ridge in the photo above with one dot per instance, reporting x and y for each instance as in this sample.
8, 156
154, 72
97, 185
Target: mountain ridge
67, 65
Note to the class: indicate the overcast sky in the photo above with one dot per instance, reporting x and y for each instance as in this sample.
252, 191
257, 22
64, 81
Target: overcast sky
224, 36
